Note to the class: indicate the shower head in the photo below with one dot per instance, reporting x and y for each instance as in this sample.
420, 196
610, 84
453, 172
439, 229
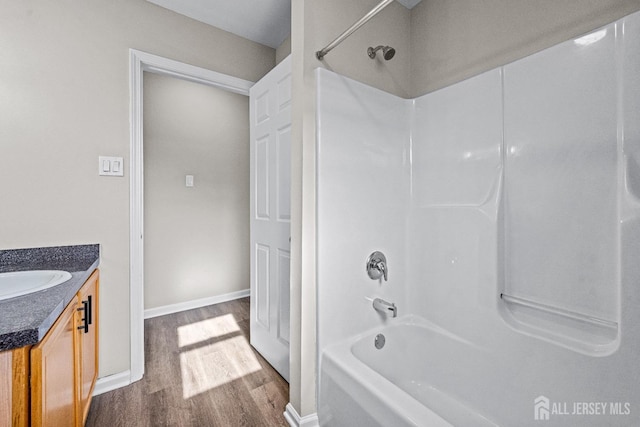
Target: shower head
387, 52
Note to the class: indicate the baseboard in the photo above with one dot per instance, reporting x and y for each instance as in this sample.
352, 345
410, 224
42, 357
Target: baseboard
295, 420
197, 303
112, 382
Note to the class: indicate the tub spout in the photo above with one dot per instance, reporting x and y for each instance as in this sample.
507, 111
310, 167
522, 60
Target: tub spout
385, 307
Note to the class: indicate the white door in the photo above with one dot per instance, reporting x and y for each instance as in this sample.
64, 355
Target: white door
270, 148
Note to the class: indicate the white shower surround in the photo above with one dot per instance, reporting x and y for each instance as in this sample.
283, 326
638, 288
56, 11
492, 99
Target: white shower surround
524, 180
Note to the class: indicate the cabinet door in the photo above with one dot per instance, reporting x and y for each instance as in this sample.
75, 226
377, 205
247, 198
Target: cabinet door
6, 402
53, 373
88, 339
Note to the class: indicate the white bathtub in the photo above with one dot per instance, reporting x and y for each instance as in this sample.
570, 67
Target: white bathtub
402, 384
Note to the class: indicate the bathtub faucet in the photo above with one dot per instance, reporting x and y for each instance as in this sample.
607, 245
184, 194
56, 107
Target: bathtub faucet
387, 308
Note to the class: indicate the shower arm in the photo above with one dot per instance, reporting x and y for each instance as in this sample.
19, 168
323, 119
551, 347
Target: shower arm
352, 29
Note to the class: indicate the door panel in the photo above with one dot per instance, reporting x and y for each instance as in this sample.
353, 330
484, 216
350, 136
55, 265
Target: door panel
262, 285
262, 178
283, 149
270, 181
284, 263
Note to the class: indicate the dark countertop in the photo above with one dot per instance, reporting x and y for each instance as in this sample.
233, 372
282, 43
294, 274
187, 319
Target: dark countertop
25, 320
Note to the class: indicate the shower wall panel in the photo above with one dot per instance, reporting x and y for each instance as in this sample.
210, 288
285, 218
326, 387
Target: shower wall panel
457, 170
363, 190
563, 154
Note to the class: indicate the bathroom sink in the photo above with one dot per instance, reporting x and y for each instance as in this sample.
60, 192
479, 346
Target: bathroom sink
19, 283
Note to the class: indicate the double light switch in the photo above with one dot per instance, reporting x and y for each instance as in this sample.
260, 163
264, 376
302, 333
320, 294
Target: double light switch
110, 166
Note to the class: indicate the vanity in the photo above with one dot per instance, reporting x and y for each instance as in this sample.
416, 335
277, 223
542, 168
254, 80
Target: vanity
48, 337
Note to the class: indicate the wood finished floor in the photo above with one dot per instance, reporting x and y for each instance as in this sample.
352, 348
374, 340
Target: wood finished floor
199, 371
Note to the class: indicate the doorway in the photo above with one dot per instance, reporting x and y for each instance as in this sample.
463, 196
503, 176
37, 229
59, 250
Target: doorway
141, 62
196, 195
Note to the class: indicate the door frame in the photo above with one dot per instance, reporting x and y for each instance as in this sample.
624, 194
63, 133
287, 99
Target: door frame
139, 62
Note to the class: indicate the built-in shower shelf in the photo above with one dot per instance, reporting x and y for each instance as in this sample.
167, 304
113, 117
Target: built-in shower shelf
560, 311
579, 331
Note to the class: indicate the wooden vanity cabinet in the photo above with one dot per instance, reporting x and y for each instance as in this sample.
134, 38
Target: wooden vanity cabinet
54, 373
14, 390
14, 387
6, 401
62, 368
88, 344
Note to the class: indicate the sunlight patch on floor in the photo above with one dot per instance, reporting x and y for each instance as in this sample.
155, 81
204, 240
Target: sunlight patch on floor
207, 329
212, 365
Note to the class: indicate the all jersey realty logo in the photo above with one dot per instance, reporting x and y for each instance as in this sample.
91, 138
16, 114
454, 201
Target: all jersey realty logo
543, 408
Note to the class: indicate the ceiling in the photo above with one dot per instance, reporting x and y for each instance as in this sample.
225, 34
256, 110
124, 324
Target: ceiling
267, 22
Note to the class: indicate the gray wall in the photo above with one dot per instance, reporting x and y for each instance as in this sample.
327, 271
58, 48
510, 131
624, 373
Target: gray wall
452, 40
283, 50
196, 238
64, 100
325, 20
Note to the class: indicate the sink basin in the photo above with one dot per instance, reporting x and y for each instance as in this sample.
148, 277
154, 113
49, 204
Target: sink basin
19, 283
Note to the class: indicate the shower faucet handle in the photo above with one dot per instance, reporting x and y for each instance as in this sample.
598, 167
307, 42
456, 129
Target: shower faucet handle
381, 266
377, 266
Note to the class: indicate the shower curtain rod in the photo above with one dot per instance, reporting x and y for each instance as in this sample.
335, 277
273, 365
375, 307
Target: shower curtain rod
352, 29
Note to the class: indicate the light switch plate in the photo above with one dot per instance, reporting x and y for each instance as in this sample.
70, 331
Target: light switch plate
110, 166
189, 180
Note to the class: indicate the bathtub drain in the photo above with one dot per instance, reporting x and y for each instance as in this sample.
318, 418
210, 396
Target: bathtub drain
379, 341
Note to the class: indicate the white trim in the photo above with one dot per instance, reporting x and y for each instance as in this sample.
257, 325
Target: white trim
112, 382
196, 303
295, 420
136, 256
138, 63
